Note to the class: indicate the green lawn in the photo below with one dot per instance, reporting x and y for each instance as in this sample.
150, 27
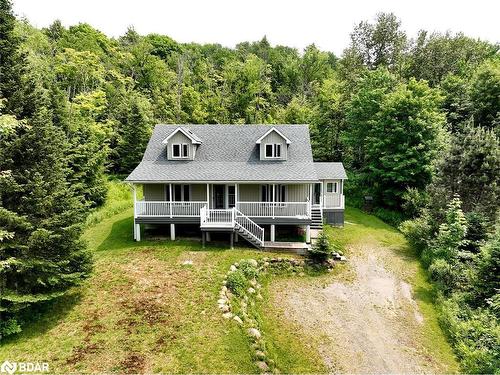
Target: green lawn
144, 311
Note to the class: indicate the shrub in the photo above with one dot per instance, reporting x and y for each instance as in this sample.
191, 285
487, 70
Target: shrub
248, 269
474, 334
321, 250
418, 232
442, 272
237, 282
9, 327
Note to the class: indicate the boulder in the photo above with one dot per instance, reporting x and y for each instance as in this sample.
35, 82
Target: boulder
260, 354
254, 332
238, 319
232, 268
253, 262
222, 301
227, 315
262, 366
251, 290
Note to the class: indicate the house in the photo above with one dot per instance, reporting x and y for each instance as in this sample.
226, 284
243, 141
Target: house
247, 180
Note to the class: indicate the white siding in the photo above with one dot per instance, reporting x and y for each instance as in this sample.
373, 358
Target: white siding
154, 192
199, 192
252, 192
179, 138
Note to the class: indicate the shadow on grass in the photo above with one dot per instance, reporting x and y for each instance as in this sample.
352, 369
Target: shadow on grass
37, 321
120, 237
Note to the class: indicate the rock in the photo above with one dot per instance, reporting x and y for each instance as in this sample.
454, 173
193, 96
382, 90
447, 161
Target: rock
259, 297
187, 263
227, 315
224, 289
224, 308
253, 282
343, 258
262, 366
253, 262
238, 319
266, 264
251, 290
232, 268
260, 354
222, 301
254, 332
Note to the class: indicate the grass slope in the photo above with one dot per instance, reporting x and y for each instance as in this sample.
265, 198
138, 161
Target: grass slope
144, 311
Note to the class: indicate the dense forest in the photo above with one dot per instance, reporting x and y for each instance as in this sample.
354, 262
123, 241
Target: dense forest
415, 122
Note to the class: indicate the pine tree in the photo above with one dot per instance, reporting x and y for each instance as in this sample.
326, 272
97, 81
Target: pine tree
11, 61
321, 250
41, 253
134, 134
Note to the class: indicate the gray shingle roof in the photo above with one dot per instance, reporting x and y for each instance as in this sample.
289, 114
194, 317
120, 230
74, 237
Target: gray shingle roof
330, 170
228, 153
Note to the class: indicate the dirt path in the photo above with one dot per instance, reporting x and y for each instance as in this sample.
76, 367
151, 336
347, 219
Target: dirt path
365, 316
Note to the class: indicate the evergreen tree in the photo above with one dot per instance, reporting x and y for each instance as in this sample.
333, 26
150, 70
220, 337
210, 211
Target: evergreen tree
470, 168
322, 249
11, 61
134, 134
41, 254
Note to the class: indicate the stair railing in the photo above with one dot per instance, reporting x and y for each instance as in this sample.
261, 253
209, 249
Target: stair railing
241, 221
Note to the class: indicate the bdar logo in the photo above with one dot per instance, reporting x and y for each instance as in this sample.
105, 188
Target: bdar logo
9, 367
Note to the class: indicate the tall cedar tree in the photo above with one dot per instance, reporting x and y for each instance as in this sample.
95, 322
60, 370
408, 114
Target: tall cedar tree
42, 255
134, 134
11, 63
471, 169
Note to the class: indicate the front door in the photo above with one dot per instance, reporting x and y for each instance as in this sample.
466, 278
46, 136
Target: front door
317, 194
219, 196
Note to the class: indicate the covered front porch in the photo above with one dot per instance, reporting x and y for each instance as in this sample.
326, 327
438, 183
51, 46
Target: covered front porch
271, 201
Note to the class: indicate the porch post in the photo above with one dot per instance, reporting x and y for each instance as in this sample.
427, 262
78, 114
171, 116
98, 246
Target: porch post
208, 196
322, 195
172, 232
273, 198
273, 232
171, 198
309, 206
203, 239
137, 232
308, 234
134, 193
236, 193
231, 234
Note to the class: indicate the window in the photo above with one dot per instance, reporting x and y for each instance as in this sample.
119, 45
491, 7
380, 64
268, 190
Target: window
181, 193
231, 196
176, 151
279, 193
273, 150
180, 150
331, 187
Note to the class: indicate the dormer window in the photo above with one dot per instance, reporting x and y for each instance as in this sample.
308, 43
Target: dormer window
180, 150
273, 150
182, 143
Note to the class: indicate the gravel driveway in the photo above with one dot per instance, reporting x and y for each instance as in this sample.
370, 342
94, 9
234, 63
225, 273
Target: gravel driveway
365, 317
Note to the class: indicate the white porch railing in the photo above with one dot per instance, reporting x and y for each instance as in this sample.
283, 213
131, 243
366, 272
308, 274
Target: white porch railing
275, 209
168, 208
333, 201
244, 223
216, 218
